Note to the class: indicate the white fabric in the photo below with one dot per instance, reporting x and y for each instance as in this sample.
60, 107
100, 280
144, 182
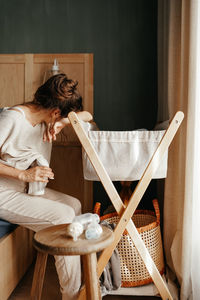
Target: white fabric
19, 109
125, 154
37, 187
25, 144
179, 75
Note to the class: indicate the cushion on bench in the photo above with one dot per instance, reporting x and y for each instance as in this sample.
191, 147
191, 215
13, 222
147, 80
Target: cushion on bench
6, 227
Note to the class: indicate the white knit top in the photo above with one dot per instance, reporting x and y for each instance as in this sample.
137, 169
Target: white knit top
20, 142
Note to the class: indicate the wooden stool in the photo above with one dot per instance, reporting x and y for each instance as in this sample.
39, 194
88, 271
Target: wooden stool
54, 240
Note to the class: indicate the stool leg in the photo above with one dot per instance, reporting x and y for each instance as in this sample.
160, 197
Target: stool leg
91, 277
38, 277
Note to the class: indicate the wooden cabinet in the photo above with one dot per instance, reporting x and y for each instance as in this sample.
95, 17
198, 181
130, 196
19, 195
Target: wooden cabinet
20, 76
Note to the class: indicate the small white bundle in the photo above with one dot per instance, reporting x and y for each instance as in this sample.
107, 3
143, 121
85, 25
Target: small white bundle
86, 219
93, 231
89, 223
74, 230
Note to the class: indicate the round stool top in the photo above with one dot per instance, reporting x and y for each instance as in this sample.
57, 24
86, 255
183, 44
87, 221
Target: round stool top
54, 240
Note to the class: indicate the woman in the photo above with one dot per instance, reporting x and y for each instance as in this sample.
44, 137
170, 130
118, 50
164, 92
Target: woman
26, 133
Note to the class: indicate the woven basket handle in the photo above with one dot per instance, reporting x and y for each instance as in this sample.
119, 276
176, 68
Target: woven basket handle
157, 210
97, 208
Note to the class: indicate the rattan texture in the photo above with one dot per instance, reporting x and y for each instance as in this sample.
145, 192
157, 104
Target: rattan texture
133, 270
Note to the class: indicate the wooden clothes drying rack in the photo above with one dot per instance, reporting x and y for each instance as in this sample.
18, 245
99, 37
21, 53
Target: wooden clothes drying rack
126, 212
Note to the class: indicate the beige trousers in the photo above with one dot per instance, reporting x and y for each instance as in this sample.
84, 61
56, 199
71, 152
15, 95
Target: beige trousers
38, 212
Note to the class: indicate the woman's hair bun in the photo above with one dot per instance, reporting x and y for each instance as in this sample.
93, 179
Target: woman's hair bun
59, 92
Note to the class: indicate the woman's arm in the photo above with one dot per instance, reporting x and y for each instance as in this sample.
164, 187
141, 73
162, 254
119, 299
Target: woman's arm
29, 175
53, 130
83, 115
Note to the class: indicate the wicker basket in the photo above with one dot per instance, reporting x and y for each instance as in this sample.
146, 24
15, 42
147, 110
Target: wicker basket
133, 270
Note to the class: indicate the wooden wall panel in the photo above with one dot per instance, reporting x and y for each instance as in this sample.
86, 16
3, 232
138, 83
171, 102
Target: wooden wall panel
73, 184
12, 80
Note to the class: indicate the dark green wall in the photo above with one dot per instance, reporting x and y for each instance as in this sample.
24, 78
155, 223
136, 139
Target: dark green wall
122, 36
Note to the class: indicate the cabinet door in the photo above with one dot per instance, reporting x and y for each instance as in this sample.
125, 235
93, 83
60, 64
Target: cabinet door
20, 76
13, 73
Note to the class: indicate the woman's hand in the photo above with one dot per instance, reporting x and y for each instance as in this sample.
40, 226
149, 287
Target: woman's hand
36, 174
52, 129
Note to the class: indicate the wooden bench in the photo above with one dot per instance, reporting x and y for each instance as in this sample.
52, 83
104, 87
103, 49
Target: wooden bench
14, 259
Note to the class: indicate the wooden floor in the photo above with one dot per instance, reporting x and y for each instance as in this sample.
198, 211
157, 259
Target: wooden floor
51, 286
